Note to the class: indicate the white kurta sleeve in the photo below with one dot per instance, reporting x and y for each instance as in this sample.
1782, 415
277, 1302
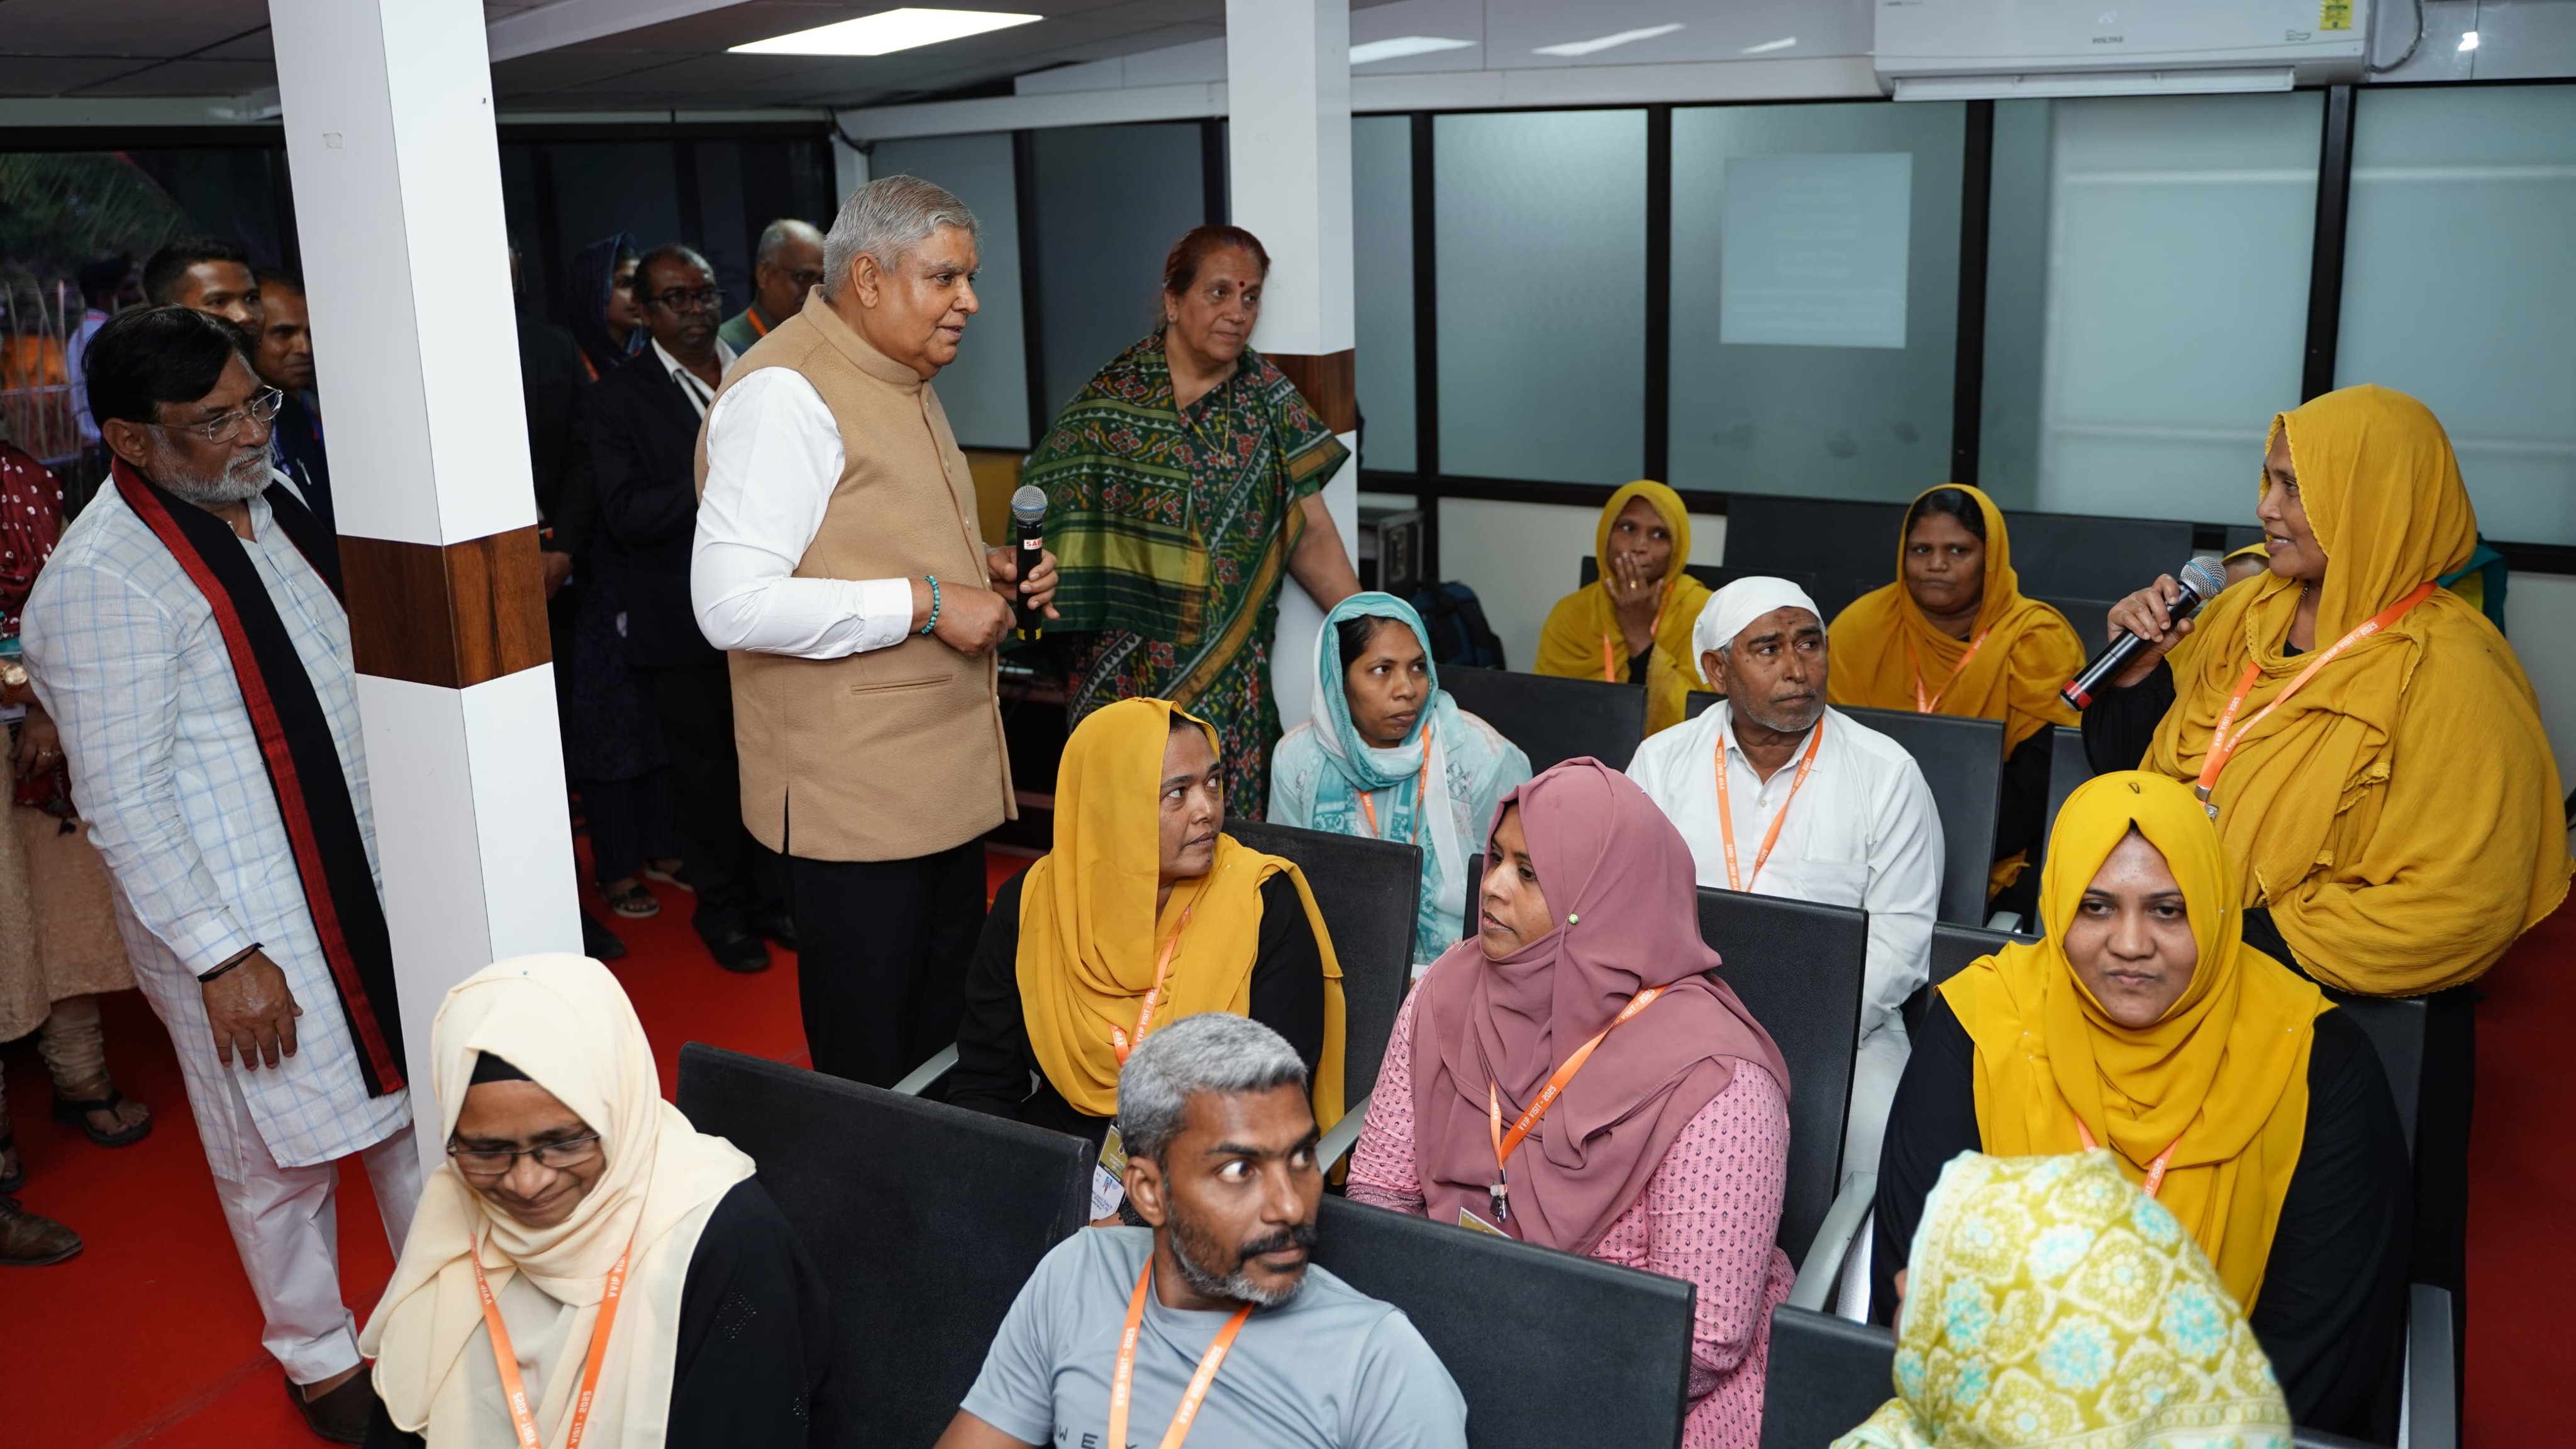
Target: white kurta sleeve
1904, 894
773, 458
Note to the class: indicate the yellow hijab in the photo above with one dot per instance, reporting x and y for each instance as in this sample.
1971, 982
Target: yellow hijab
2223, 1076
1089, 933
1571, 643
2385, 878
2029, 653
565, 1022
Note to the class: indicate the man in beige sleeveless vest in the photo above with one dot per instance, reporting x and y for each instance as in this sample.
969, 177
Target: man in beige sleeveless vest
837, 561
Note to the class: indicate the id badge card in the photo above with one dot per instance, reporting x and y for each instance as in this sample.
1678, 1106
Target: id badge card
1467, 1219
1109, 1176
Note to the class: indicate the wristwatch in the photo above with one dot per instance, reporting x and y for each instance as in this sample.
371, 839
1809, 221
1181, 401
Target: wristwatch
13, 675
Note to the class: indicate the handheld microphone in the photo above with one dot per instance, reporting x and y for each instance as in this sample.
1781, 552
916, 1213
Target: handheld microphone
1028, 510
2201, 579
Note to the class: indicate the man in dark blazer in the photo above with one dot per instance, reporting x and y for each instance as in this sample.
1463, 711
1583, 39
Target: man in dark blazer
643, 418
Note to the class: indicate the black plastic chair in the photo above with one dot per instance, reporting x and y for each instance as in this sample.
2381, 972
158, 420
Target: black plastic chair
1368, 891
1554, 720
1953, 947
1533, 1337
1963, 761
2089, 615
1696, 703
2076, 555
924, 1219
2068, 767
1839, 542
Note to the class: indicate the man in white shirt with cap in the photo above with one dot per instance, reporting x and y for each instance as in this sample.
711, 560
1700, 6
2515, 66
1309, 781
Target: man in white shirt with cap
1819, 808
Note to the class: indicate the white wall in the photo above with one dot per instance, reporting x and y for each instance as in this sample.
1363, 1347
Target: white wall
2538, 610
1521, 558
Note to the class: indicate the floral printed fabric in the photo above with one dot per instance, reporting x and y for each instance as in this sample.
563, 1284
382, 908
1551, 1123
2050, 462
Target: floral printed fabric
2050, 1303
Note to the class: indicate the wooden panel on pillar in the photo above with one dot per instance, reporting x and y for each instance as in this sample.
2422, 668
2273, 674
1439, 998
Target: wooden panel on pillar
454, 616
1330, 382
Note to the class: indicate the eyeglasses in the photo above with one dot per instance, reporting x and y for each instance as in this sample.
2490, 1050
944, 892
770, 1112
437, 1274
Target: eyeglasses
557, 1156
702, 299
226, 426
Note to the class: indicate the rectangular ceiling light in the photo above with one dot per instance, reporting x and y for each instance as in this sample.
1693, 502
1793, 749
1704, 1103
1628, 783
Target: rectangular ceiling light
1605, 42
1402, 46
886, 32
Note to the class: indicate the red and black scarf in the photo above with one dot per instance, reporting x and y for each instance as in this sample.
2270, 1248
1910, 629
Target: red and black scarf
295, 743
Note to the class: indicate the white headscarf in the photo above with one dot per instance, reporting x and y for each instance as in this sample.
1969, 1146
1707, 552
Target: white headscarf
566, 1023
1740, 603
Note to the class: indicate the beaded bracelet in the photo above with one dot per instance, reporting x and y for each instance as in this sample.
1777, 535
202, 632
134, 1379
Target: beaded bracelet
933, 621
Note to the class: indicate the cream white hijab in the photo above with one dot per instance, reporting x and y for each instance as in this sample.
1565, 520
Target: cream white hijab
565, 1022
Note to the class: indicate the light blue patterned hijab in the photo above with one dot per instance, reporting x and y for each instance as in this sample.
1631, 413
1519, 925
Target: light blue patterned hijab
1470, 768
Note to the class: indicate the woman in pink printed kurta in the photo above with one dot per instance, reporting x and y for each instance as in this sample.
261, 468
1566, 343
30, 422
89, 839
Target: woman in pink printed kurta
1708, 1216
1668, 1150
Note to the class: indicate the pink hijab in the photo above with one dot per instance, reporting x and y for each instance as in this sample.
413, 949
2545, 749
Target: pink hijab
1606, 854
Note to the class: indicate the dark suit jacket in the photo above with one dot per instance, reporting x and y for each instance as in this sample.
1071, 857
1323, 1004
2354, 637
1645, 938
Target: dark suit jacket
551, 381
643, 454
299, 440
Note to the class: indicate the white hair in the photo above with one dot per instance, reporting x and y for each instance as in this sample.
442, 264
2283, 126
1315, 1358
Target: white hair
775, 237
885, 219
1209, 1052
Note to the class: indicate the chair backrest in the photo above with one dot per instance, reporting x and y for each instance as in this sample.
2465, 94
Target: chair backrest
1953, 947
1798, 967
1712, 576
1368, 891
1531, 1335
2079, 555
1554, 720
924, 1219
2068, 767
1696, 703
2089, 615
2395, 1026
1839, 542
1963, 762
1825, 1376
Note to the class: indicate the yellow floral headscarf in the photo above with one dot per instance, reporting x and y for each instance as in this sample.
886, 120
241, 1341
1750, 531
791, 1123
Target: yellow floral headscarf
2401, 815
1089, 932
2222, 1077
2049, 1303
1585, 624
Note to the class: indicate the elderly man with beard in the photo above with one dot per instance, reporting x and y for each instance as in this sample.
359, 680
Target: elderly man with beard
189, 639
1216, 1296
1811, 806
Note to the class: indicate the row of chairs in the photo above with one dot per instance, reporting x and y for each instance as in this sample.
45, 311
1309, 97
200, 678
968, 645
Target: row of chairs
2089, 615
1962, 759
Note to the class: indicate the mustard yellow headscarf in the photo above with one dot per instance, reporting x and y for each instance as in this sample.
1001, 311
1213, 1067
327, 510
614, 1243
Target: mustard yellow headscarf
2223, 1076
1089, 932
2401, 815
1584, 625
2029, 653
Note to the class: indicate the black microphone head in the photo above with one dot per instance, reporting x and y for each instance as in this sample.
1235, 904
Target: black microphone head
1029, 504
2203, 576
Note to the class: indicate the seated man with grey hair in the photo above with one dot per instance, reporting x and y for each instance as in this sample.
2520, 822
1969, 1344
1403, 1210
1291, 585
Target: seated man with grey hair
787, 265
1213, 1313
836, 558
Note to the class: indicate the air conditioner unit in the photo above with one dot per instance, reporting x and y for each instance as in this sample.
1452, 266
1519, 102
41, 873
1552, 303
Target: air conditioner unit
1993, 49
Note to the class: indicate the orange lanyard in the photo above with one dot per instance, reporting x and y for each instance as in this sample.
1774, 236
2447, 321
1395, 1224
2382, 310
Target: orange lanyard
1122, 1382
758, 327
1726, 817
1119, 1041
1508, 1142
2223, 742
1925, 704
514, 1390
1369, 807
2155, 1169
1610, 659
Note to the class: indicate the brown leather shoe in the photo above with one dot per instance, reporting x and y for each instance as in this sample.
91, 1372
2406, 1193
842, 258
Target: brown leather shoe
341, 1415
30, 1241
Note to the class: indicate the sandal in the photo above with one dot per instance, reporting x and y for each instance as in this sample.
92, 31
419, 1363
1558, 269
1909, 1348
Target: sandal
16, 1177
670, 877
74, 1112
630, 898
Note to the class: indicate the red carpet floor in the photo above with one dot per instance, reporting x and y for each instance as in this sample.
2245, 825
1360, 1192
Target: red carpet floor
151, 1338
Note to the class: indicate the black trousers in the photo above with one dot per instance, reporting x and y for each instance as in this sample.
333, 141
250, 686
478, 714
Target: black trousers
736, 877
881, 957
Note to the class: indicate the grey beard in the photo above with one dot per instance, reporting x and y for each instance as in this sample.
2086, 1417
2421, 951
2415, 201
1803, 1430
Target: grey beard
1235, 1285
246, 477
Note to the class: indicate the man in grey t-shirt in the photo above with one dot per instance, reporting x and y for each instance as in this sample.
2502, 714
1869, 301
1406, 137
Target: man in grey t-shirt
1221, 1162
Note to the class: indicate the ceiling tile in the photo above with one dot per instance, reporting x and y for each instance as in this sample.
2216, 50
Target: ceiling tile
124, 27
190, 78
51, 75
260, 44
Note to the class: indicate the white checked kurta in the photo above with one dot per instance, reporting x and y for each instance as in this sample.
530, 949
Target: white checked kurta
166, 770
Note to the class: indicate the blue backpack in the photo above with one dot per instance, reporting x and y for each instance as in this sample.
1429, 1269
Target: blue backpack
1460, 637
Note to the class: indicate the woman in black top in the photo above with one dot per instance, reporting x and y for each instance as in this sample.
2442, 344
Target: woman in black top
2259, 1111
1142, 914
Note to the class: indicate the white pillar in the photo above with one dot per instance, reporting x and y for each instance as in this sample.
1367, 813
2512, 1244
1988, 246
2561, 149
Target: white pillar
1288, 89
397, 178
